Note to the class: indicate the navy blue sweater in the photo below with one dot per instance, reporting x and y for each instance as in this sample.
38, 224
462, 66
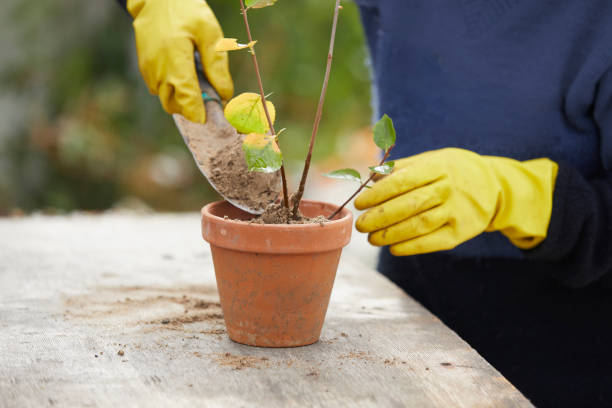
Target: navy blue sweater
520, 79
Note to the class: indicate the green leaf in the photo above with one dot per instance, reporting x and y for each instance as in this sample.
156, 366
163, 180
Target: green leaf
245, 112
262, 153
259, 3
384, 168
345, 174
384, 133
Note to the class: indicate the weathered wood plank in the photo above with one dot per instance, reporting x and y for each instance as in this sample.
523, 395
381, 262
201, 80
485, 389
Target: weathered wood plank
74, 291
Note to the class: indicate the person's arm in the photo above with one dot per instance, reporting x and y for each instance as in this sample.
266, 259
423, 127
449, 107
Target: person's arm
167, 34
580, 232
439, 199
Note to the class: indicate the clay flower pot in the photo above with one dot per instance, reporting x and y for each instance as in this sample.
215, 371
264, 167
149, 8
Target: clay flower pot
275, 281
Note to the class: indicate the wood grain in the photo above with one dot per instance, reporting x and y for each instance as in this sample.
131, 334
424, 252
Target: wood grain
78, 291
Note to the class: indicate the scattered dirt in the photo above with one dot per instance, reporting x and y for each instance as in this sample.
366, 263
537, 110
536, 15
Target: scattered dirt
121, 352
231, 177
394, 361
193, 318
238, 362
365, 356
310, 368
214, 331
451, 365
357, 355
205, 305
150, 308
343, 334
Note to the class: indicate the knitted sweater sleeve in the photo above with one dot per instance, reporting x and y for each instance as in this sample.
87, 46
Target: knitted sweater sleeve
123, 3
579, 238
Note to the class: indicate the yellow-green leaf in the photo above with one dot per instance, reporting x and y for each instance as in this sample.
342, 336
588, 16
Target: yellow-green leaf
231, 44
245, 112
259, 3
262, 153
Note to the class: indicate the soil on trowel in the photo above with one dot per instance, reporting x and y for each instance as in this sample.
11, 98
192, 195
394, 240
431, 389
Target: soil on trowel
233, 180
275, 213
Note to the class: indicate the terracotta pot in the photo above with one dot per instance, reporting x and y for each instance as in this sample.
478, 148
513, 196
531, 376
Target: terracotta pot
275, 281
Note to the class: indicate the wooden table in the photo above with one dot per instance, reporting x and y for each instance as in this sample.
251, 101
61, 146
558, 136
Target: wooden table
121, 310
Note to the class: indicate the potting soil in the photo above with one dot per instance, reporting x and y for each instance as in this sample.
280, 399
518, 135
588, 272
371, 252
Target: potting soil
230, 176
275, 213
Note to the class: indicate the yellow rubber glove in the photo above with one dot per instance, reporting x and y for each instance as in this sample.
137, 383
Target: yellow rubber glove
437, 200
166, 33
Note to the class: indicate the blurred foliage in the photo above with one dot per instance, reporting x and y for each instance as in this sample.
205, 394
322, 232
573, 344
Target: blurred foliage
79, 130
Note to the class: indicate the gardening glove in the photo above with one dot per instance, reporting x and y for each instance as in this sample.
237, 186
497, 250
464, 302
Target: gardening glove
437, 200
167, 31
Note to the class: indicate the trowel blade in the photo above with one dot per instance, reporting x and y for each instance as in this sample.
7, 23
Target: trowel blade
207, 141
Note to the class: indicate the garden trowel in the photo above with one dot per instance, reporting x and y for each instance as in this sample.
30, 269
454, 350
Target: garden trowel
210, 141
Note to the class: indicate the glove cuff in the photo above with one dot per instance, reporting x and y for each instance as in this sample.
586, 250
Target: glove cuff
526, 199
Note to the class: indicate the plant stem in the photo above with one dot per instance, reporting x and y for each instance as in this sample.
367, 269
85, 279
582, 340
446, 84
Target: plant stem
362, 186
263, 99
317, 120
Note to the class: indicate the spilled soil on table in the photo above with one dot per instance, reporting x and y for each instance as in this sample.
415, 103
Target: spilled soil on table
187, 308
239, 362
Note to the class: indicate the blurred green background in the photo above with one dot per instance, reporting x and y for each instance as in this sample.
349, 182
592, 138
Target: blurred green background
79, 130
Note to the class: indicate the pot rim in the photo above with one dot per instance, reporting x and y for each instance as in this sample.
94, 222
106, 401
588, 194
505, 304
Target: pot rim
205, 211
277, 238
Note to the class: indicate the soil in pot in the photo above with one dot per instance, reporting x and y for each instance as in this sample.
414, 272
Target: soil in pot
275, 213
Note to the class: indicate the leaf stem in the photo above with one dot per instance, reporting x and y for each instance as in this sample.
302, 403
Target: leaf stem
362, 186
263, 99
317, 120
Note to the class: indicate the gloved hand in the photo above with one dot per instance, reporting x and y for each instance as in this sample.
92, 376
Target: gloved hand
439, 199
166, 33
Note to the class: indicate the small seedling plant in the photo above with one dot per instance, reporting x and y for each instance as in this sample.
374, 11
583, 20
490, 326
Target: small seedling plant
253, 115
